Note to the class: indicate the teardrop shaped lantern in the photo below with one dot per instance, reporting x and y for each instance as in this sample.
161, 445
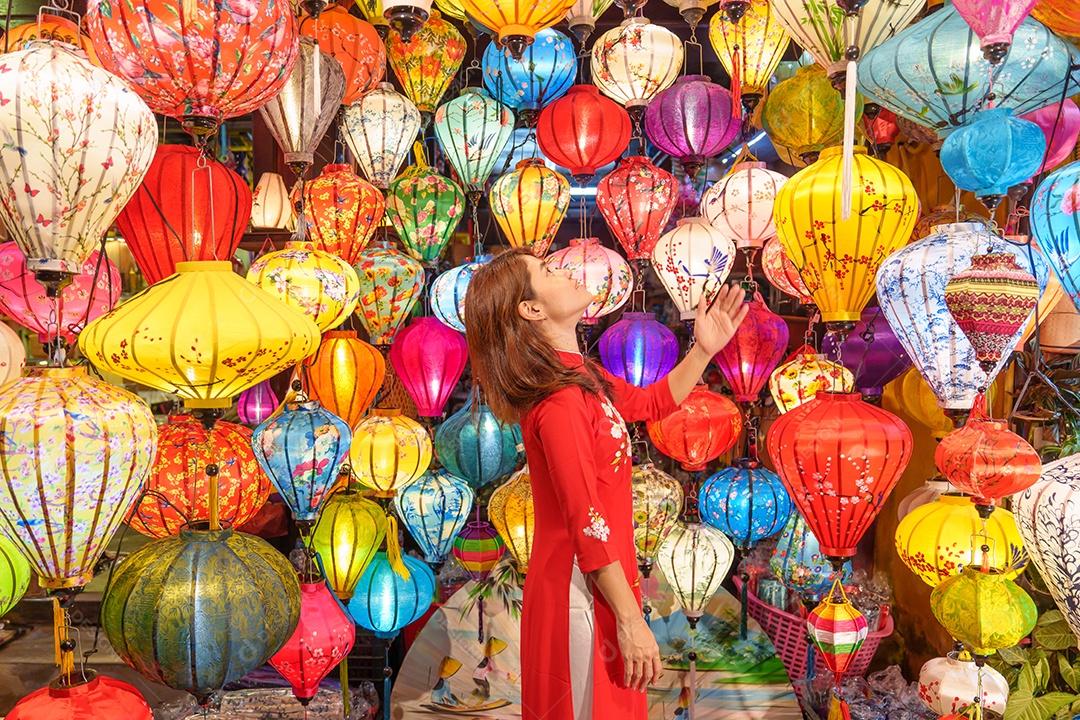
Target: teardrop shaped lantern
434, 509
780, 272
749, 47
804, 375
601, 271
476, 446
583, 131
544, 73
345, 375
693, 120
636, 200
426, 65
355, 44
511, 511
747, 502
425, 208
695, 559
390, 286
479, 549
428, 359
740, 205
98, 696
270, 205
516, 23
529, 203
384, 602
805, 113
350, 530
691, 260
634, 61
342, 211
639, 349
753, 352
389, 451
379, 129
322, 286
984, 610
800, 565
838, 630
658, 501
257, 403
706, 425
472, 130
449, 290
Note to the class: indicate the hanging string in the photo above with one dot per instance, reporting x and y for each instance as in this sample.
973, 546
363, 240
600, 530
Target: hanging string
852, 54
692, 678
736, 85
62, 643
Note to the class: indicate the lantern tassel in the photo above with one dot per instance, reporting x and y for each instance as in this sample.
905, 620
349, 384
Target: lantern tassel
421, 156
343, 668
736, 84
849, 139
393, 548
64, 659
838, 709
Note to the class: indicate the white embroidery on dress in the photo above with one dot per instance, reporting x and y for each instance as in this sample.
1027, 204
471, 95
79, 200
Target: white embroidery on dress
599, 528
618, 431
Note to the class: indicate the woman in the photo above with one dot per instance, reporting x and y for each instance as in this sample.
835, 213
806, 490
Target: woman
586, 651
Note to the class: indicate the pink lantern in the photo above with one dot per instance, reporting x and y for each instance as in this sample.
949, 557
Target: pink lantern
782, 273
636, 200
92, 292
994, 21
1061, 126
754, 352
257, 403
603, 272
740, 205
428, 358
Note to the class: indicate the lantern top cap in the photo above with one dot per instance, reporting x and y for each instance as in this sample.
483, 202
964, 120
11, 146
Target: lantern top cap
748, 166
693, 221
194, 266
530, 162
583, 90
838, 150
60, 373
640, 20
201, 531
628, 315
59, 690
386, 412
584, 241
844, 397
300, 245
954, 498
339, 334
336, 168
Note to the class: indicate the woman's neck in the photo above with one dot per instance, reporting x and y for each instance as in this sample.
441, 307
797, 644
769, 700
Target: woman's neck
564, 340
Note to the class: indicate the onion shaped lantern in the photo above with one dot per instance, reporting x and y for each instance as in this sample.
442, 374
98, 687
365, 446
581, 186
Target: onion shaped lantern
750, 47
806, 114
706, 425
601, 271
345, 375
583, 131
740, 205
871, 351
804, 375
425, 208
543, 74
428, 359
476, 446
634, 61
390, 286
434, 509
348, 534
639, 349
355, 44
984, 610
781, 273
636, 200
322, 286
425, 65
472, 130
449, 290
342, 211
695, 560
693, 120
516, 24
478, 548
747, 502
950, 684
511, 511
759, 343
389, 451
692, 260
257, 403
379, 129
384, 601
98, 696
800, 565
529, 203
658, 501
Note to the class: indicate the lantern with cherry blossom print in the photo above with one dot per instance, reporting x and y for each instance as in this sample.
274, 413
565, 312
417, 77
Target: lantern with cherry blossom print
345, 374
390, 285
429, 358
97, 697
379, 129
583, 131
322, 286
749, 47
804, 375
752, 354
952, 683
355, 44
634, 61
636, 200
472, 130
706, 425
529, 203
342, 211
639, 349
601, 271
994, 21
257, 403
781, 273
839, 458
740, 205
1061, 126
692, 121
747, 502
543, 74
693, 259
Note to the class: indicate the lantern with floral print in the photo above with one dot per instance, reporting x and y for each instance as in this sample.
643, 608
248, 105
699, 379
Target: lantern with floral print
658, 500
318, 284
636, 200
805, 113
740, 205
781, 273
692, 120
804, 375
425, 208
542, 75
350, 530
634, 61
516, 23
639, 349
389, 451
752, 354
476, 446
390, 285
583, 131
695, 559
96, 696
355, 44
342, 211
345, 375
952, 683
601, 271
511, 512
270, 206
202, 63
434, 509
479, 549
692, 260
529, 203
747, 502
472, 130
798, 562
379, 129
749, 47
428, 359
425, 66
257, 403
706, 425
984, 610
50, 27
449, 290
12, 354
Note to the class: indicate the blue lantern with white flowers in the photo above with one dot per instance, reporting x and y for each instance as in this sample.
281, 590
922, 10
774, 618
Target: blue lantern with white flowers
544, 73
639, 349
1055, 223
747, 502
434, 508
477, 446
799, 563
448, 293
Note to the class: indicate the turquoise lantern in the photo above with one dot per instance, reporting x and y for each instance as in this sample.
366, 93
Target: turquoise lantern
747, 502
799, 563
384, 602
477, 447
473, 129
434, 509
993, 152
544, 73
448, 293
1055, 223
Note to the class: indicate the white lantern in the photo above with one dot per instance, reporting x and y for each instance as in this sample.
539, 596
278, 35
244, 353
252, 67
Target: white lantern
741, 204
806, 374
603, 272
379, 130
695, 559
12, 354
949, 684
582, 15
270, 206
692, 259
634, 61
925, 494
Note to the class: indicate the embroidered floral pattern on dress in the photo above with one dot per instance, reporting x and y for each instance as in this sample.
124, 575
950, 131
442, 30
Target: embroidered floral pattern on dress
598, 528
618, 431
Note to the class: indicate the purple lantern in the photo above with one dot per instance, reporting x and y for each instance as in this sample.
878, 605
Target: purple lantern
257, 403
1061, 126
639, 349
692, 120
877, 358
755, 351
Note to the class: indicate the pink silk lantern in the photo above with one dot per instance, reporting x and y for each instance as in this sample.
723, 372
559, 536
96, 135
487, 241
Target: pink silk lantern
257, 403
994, 21
636, 200
428, 359
93, 292
754, 352
1061, 132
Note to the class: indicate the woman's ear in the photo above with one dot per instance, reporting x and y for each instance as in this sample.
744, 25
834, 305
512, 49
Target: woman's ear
531, 311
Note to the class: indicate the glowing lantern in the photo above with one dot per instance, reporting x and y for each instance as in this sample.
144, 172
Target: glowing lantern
372, 11
218, 61
750, 48
270, 206
805, 113
634, 61
950, 684
342, 211
390, 285
582, 16
85, 170
984, 610
155, 615
428, 359
189, 207
516, 23
529, 203
639, 349
706, 425
747, 502
1061, 128
918, 400
601, 271
636, 200
472, 130
740, 205
749, 358
582, 131
695, 560
477, 446
385, 601
355, 44
798, 562
511, 511
804, 375
479, 549
389, 451
379, 129
257, 403
781, 273
658, 500
691, 260
449, 290
349, 532
692, 120
425, 208
837, 629
345, 375
318, 284
14, 575
544, 73
994, 21
839, 458
434, 509
871, 351
96, 697
425, 66
178, 487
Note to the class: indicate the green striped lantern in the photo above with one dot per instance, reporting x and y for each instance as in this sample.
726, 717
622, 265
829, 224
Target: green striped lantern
837, 629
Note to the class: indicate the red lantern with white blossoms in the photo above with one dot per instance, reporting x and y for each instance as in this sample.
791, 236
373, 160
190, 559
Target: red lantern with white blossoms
636, 200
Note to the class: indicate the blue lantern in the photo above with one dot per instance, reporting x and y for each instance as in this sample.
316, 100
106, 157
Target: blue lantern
384, 602
543, 74
448, 293
934, 73
478, 449
301, 449
992, 153
798, 563
639, 349
1055, 222
435, 509
746, 502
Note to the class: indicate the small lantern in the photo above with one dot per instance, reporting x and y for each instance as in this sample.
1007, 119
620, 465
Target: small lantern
434, 509
511, 512
804, 375
529, 203
706, 425
389, 451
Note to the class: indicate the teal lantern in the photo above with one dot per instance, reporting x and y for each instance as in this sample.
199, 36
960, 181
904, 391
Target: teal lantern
200, 609
448, 293
425, 208
477, 447
544, 73
799, 563
473, 129
14, 575
434, 509
384, 601
391, 283
747, 502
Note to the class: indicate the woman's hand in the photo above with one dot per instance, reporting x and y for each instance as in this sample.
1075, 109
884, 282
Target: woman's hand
716, 324
640, 654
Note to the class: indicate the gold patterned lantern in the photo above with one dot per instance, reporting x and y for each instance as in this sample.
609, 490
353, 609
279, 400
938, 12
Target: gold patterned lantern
658, 501
749, 48
529, 203
511, 511
425, 66
389, 451
347, 535
805, 113
804, 375
984, 610
322, 286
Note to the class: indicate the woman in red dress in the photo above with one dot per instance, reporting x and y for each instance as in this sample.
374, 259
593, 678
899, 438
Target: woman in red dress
586, 651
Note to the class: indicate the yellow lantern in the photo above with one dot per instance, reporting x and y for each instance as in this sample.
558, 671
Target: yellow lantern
389, 451
940, 539
804, 375
750, 48
511, 511
838, 258
348, 534
205, 334
372, 10
516, 22
529, 204
321, 285
345, 375
453, 8
426, 65
918, 401
806, 113
983, 609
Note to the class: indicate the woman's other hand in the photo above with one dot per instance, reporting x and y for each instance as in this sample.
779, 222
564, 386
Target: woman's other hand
640, 654
716, 322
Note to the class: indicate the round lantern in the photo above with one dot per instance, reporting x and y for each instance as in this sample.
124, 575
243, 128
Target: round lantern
543, 74
349, 532
511, 511
837, 629
917, 399
516, 23
225, 334
425, 65
753, 352
301, 449
692, 120
345, 375
477, 446
188, 207
257, 403
379, 129
75, 454
750, 47
355, 44
993, 152
582, 16
472, 130
706, 425
805, 113
322, 286
582, 131
434, 509
798, 562
781, 273
950, 684
747, 502
85, 169
323, 637
804, 375
156, 617
634, 61
479, 549
178, 487
390, 285
839, 458
425, 208
740, 205
691, 260
384, 601
428, 359
389, 451
984, 610
636, 200
601, 271
695, 560
14, 575
871, 351
97, 696
658, 501
449, 290
639, 349
270, 205
342, 211
1061, 128
529, 203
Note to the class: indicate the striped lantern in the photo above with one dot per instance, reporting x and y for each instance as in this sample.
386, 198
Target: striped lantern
837, 629
479, 549
389, 451
476, 446
345, 375
349, 532
529, 203
447, 295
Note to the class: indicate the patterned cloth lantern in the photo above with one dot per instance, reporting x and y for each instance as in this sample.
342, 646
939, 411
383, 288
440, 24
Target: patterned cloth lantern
804, 375
1061, 128
582, 16
425, 66
639, 349
322, 286
425, 208
479, 549
477, 446
270, 205
839, 458
636, 200
749, 48
781, 273
257, 403
323, 637
634, 61
511, 511
837, 629
14, 575
601, 271
379, 129
96, 698
157, 618
349, 532
301, 449
800, 565
993, 152
693, 259
516, 23
389, 451
740, 205
994, 21
178, 486
84, 169
189, 207
1055, 222
582, 131
758, 345
984, 610
355, 44
952, 683
449, 290
342, 211
695, 560
345, 375
434, 509
871, 351
50, 27
706, 425
805, 113
692, 120
384, 601
12, 354
747, 502
75, 455
543, 74
429, 358
658, 500
390, 285
529, 203
472, 130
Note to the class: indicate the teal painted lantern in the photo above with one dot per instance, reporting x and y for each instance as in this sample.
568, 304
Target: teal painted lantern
448, 293
391, 283
747, 502
799, 563
434, 509
473, 129
478, 449
425, 208
544, 73
384, 602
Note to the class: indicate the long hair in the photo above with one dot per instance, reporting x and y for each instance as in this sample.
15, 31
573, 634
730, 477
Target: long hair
512, 361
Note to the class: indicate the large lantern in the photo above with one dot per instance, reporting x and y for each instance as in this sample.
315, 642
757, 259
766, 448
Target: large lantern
804, 375
385, 601
345, 375
473, 129
349, 532
993, 152
188, 207
634, 61
428, 359
871, 351
693, 259
658, 501
692, 120
96, 698
639, 349
636, 200
379, 129
805, 114
322, 286
601, 271
749, 358
747, 502
750, 47
389, 451
355, 44
425, 208
543, 74
984, 610
706, 425
477, 446
582, 131
740, 205
449, 290
434, 509
839, 458
695, 560
342, 211
390, 286
516, 23
952, 683
511, 511
529, 203
800, 565
425, 66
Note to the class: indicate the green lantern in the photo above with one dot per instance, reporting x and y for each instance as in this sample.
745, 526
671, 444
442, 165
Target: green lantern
473, 129
425, 208
984, 610
390, 285
351, 528
806, 113
14, 575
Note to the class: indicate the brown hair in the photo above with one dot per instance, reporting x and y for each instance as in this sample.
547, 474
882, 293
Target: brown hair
512, 361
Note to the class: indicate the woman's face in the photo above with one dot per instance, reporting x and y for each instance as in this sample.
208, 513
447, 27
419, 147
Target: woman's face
559, 297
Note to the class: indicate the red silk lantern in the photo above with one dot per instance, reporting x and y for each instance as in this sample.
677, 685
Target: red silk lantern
342, 210
187, 208
98, 698
636, 200
882, 130
706, 425
782, 273
839, 458
583, 130
345, 374
178, 488
355, 44
428, 359
754, 351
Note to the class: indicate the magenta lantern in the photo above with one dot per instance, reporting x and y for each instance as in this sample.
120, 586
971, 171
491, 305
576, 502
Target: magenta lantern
754, 352
639, 349
429, 358
994, 21
636, 200
257, 403
1061, 126
692, 121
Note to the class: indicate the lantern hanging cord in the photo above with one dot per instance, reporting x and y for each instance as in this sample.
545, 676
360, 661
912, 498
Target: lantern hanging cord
851, 54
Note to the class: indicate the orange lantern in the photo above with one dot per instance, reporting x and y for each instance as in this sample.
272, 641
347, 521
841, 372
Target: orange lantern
345, 375
353, 43
50, 27
425, 66
342, 211
705, 426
